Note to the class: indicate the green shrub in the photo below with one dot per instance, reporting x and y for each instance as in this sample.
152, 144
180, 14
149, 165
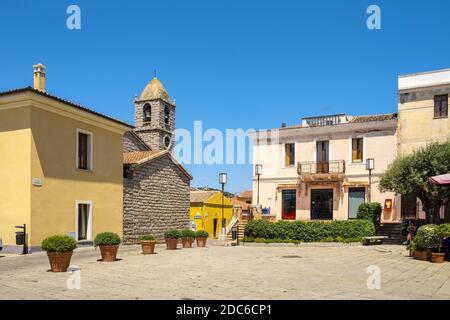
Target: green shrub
427, 237
370, 211
187, 233
107, 239
248, 239
202, 234
147, 237
172, 234
59, 244
310, 231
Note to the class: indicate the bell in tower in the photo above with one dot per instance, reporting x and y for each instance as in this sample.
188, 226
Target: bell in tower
154, 116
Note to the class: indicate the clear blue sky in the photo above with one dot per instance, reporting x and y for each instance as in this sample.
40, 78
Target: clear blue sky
231, 64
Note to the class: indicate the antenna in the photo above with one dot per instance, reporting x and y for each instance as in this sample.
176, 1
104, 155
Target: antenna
154, 72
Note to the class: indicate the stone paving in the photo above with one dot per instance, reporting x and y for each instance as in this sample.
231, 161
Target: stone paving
229, 273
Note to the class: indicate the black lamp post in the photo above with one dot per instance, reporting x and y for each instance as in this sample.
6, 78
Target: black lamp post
223, 181
370, 165
258, 173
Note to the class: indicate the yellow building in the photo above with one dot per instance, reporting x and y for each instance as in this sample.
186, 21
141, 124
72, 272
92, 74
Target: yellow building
206, 211
422, 120
60, 167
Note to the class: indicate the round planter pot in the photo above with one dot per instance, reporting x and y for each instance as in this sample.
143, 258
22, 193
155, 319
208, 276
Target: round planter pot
187, 242
437, 257
201, 242
148, 247
420, 255
171, 244
59, 261
109, 253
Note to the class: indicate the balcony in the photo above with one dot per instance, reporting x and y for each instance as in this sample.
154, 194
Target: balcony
321, 171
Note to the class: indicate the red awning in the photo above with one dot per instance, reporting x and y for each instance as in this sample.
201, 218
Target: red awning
443, 180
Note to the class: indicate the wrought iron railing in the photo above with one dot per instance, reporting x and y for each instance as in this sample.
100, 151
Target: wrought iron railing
318, 167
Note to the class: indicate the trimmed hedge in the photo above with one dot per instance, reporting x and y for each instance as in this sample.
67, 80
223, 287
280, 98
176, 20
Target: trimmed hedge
187, 233
59, 244
310, 231
107, 239
370, 211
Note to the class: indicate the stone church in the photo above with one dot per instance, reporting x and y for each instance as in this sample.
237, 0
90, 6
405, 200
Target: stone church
156, 186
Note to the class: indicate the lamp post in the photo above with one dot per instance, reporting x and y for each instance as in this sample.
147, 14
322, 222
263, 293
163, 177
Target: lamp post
370, 165
258, 173
223, 181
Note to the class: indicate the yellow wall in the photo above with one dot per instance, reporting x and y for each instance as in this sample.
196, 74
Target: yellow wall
15, 173
43, 138
417, 126
210, 210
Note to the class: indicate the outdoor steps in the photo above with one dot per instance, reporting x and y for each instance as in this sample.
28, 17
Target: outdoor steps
391, 230
240, 227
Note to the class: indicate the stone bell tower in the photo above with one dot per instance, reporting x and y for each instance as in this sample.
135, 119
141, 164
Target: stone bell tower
154, 116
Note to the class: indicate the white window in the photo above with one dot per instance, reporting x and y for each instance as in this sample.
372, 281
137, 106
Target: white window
83, 220
84, 150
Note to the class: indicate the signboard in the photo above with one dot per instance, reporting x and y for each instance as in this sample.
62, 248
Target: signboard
36, 182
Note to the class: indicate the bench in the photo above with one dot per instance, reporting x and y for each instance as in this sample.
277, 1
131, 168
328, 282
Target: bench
367, 241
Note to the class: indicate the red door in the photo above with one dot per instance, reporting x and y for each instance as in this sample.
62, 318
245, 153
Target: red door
289, 204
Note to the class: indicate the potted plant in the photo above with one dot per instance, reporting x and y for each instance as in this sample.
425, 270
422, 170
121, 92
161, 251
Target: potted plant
148, 244
109, 244
171, 238
442, 232
187, 235
201, 237
59, 251
424, 242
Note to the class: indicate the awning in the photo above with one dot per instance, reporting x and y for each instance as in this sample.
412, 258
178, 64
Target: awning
443, 180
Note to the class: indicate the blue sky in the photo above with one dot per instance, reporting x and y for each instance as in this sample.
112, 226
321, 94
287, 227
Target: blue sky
230, 64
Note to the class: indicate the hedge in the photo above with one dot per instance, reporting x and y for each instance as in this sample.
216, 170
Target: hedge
309, 231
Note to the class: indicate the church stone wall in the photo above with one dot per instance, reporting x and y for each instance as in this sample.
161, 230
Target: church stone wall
156, 199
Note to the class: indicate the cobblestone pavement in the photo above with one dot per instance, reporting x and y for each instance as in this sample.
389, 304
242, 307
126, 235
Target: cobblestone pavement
229, 273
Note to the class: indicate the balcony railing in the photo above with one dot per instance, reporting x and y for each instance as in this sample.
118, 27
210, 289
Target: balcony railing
326, 167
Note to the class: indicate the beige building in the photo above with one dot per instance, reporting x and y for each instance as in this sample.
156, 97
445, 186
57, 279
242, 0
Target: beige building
317, 170
60, 165
422, 119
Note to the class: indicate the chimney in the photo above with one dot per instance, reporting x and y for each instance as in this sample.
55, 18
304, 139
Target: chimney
39, 77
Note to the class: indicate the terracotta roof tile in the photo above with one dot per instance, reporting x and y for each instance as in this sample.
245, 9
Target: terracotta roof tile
201, 196
246, 194
239, 203
375, 117
139, 156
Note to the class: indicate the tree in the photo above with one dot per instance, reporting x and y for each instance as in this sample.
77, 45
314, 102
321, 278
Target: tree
409, 174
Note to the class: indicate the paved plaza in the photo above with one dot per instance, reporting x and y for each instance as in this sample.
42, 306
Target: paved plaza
228, 273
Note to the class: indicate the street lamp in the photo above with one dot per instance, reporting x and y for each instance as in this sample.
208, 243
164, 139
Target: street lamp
370, 165
223, 181
258, 173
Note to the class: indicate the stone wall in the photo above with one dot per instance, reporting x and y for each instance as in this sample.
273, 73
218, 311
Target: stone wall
131, 143
154, 131
155, 199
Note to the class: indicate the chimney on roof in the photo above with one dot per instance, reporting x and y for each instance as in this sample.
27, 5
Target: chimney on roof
39, 77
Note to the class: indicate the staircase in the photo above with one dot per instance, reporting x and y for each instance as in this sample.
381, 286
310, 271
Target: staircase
238, 225
391, 230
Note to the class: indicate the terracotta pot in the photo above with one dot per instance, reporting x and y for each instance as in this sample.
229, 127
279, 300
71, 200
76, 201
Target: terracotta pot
201, 242
187, 242
59, 261
437, 257
171, 244
420, 255
148, 247
109, 253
